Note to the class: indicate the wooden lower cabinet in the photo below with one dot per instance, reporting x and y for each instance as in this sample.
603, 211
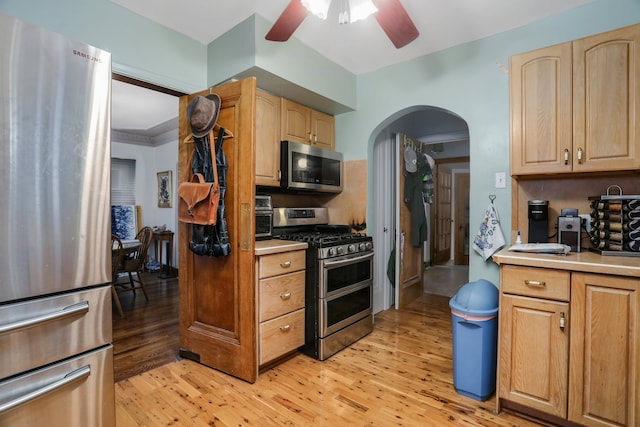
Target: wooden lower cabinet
281, 300
604, 357
534, 353
569, 357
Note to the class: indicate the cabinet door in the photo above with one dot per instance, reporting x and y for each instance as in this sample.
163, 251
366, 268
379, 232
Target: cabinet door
322, 130
534, 350
604, 377
267, 150
295, 122
606, 96
541, 117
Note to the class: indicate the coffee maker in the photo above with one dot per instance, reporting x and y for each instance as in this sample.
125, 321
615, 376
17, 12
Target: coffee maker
538, 221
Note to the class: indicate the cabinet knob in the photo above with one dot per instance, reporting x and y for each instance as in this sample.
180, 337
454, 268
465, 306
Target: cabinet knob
562, 320
285, 328
285, 295
535, 283
580, 152
566, 156
285, 264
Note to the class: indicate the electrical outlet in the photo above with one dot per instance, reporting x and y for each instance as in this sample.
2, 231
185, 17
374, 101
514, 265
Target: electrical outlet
501, 180
586, 221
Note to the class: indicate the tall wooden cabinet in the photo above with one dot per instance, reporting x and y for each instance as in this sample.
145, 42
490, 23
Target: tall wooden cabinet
306, 125
569, 344
575, 107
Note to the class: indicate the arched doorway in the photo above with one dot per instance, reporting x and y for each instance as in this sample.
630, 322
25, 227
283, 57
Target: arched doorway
445, 137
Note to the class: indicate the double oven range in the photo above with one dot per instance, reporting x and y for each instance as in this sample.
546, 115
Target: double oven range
339, 279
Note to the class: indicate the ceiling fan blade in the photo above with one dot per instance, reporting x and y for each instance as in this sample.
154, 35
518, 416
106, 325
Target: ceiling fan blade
395, 21
287, 22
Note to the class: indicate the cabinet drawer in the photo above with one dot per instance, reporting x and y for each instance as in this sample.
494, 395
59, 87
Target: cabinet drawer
280, 295
281, 335
536, 282
281, 263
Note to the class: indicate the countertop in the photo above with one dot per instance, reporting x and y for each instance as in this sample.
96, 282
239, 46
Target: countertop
586, 261
274, 246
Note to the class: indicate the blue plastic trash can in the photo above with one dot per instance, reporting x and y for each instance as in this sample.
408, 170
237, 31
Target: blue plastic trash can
474, 323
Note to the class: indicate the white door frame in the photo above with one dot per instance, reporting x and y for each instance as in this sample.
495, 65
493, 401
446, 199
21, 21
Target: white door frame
384, 199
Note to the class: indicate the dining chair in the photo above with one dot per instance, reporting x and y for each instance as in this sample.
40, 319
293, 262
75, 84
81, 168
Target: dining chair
133, 265
116, 260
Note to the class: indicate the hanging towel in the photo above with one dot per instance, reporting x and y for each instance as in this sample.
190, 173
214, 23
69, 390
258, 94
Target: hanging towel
489, 238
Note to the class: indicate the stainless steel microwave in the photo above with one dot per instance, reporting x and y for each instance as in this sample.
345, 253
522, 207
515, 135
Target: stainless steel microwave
308, 168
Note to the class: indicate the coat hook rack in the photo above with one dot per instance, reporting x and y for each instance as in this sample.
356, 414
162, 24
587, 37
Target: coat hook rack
227, 134
492, 197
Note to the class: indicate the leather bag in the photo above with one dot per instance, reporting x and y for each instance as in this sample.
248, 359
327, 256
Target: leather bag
198, 200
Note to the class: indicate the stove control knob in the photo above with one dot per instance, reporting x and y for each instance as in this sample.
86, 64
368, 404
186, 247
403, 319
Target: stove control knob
332, 251
361, 247
369, 246
340, 250
351, 248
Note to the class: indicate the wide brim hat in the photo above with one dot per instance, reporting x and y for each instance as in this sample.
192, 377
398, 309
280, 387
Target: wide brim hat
202, 113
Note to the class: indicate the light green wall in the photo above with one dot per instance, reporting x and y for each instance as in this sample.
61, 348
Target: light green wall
140, 48
244, 47
468, 81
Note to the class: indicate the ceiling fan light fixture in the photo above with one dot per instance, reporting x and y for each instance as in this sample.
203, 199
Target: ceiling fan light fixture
319, 8
360, 9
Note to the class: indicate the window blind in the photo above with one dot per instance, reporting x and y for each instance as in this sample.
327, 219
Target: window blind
123, 181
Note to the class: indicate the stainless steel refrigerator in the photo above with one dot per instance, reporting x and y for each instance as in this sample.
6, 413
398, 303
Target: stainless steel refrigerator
56, 357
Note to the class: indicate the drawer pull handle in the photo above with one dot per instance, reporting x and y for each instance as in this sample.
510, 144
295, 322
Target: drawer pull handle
285, 328
69, 311
566, 156
580, 151
285, 264
72, 377
285, 296
535, 283
562, 320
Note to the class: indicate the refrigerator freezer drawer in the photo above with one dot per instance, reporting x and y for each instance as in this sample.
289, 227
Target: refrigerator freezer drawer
45, 330
75, 393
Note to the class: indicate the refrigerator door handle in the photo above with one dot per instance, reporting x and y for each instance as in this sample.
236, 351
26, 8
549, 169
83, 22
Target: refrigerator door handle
73, 376
72, 310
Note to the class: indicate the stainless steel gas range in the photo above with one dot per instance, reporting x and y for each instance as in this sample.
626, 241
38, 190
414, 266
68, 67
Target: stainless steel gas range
339, 279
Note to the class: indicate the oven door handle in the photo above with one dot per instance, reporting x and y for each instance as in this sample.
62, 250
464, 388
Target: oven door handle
345, 261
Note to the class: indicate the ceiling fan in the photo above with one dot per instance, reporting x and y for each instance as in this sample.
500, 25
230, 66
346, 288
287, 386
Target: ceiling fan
391, 16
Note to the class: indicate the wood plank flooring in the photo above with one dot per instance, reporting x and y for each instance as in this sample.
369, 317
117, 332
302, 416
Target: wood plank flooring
399, 375
147, 336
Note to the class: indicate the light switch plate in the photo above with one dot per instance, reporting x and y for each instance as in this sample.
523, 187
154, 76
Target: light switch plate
501, 180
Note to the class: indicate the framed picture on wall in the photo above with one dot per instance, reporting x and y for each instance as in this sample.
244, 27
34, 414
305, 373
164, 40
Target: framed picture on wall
165, 193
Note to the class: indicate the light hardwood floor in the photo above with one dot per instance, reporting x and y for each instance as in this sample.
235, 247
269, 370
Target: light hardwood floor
399, 375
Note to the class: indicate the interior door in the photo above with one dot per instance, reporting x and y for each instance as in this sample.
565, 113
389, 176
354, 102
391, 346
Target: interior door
217, 294
461, 219
409, 260
442, 251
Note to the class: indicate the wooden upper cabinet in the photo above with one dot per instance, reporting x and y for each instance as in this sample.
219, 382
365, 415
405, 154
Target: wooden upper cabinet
305, 125
540, 92
574, 105
267, 149
322, 130
606, 94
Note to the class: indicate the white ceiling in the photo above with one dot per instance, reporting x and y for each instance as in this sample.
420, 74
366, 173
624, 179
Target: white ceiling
362, 46
359, 47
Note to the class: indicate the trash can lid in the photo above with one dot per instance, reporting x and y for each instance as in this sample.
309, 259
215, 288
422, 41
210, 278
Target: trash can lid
479, 297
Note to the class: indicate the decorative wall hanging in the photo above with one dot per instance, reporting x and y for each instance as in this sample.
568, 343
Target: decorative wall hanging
165, 193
